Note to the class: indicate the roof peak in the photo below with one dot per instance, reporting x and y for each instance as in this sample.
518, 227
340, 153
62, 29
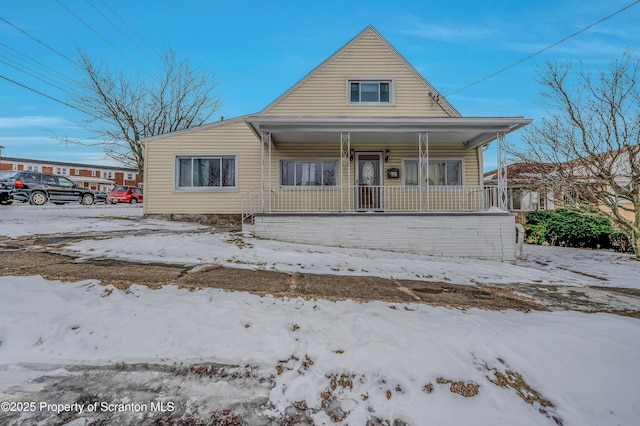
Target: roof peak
442, 102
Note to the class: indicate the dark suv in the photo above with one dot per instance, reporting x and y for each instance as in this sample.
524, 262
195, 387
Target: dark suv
38, 188
6, 187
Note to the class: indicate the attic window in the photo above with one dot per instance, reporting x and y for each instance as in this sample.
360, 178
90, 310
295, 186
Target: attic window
370, 91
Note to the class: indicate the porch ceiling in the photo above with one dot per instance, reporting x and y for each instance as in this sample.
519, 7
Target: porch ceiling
473, 131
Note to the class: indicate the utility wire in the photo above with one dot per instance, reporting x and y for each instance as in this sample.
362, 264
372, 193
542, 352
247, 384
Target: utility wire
588, 27
40, 42
132, 30
123, 33
35, 74
50, 97
34, 62
103, 38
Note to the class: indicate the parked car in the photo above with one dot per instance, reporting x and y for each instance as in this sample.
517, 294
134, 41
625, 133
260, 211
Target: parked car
38, 188
125, 194
6, 188
100, 196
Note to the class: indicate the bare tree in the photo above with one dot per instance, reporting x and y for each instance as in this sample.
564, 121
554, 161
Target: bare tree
124, 110
589, 144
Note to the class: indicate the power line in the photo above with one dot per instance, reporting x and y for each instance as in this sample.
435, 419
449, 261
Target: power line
588, 27
123, 33
103, 38
49, 97
43, 67
33, 73
132, 29
40, 42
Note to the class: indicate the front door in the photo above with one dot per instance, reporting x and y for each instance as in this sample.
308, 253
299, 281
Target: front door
368, 176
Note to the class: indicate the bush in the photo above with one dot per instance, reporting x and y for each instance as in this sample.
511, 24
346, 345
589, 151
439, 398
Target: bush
535, 234
620, 242
568, 228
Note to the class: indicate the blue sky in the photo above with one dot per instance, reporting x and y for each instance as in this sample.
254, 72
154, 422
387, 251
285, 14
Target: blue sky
258, 49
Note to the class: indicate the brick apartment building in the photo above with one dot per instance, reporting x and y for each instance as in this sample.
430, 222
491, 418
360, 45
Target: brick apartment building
87, 175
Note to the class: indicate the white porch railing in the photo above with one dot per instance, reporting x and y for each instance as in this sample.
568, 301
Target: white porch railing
341, 199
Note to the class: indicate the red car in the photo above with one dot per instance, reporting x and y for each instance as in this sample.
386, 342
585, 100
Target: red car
125, 194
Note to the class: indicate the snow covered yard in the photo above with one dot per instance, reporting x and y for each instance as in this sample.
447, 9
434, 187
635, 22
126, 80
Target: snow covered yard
175, 354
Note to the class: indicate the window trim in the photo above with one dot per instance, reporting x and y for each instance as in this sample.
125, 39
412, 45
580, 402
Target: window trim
370, 80
181, 189
310, 160
431, 161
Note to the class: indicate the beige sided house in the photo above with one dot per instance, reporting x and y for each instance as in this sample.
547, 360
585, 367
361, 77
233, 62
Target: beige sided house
362, 152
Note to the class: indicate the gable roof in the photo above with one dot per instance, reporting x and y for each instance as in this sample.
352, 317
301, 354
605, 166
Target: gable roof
221, 123
316, 107
358, 41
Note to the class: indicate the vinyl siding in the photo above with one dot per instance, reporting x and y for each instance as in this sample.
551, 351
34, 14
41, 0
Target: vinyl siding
471, 175
232, 138
323, 93
236, 138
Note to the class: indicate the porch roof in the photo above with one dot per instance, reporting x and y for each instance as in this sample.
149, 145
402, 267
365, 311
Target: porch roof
472, 131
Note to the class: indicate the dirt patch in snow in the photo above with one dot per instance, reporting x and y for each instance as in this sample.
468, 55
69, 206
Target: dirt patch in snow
122, 274
40, 255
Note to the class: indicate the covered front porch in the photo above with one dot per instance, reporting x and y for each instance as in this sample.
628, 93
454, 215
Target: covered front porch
406, 184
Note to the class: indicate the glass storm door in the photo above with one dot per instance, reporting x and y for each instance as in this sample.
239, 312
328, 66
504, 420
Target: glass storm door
368, 181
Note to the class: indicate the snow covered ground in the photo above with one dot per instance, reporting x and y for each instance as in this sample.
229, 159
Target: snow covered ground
324, 362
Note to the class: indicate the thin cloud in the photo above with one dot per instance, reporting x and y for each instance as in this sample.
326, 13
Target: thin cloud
590, 50
34, 121
446, 33
26, 140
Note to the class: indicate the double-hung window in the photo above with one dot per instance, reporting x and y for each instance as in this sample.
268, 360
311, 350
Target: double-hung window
441, 173
370, 91
308, 172
206, 173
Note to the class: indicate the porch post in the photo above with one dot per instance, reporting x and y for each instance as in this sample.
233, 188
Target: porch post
423, 166
345, 153
502, 173
266, 139
269, 171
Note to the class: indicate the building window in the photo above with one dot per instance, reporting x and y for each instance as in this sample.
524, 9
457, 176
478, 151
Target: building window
93, 173
129, 176
76, 172
15, 167
370, 91
109, 175
61, 171
32, 168
206, 173
441, 173
308, 172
